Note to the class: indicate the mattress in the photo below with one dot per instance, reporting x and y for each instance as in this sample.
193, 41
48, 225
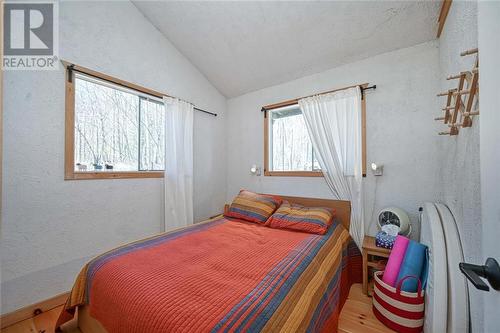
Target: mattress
222, 275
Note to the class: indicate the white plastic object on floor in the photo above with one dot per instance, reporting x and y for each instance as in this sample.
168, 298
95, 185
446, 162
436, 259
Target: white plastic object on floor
436, 298
458, 295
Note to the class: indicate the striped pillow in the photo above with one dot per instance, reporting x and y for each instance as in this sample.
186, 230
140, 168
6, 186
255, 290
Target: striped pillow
253, 207
314, 220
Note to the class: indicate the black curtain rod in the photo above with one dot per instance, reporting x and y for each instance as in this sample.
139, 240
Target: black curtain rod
361, 88
201, 110
367, 88
71, 68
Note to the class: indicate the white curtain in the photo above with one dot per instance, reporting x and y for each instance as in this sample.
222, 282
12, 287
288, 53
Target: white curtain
334, 125
178, 163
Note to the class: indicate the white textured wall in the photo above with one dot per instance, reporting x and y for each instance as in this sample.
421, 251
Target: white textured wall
489, 47
51, 226
459, 172
400, 131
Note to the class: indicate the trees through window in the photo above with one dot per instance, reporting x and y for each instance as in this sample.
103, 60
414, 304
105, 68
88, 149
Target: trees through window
116, 129
289, 146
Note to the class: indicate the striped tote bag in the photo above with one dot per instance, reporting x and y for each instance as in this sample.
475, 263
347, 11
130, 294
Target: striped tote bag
399, 310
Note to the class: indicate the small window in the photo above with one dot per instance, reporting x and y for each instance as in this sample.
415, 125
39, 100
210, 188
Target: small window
117, 132
289, 147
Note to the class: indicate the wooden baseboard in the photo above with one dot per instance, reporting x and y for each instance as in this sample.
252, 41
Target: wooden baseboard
29, 311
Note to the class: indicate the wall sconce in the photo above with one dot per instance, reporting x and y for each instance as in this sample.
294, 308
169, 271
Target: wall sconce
255, 170
377, 169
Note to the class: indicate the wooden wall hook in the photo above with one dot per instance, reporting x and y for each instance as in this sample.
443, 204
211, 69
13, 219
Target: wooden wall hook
446, 93
462, 92
456, 76
469, 52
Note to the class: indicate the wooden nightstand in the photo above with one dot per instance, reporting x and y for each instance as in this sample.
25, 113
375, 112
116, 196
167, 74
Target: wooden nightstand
372, 255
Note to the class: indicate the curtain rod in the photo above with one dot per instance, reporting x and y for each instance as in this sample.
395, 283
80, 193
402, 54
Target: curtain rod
74, 68
362, 87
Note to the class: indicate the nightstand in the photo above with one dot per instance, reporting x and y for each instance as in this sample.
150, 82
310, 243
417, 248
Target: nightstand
372, 255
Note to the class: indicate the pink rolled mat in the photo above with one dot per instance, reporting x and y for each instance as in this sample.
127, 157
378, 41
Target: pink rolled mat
395, 259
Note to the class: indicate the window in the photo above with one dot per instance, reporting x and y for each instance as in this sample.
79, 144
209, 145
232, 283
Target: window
112, 129
289, 146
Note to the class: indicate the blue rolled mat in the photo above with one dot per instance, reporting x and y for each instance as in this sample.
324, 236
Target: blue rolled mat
413, 265
425, 270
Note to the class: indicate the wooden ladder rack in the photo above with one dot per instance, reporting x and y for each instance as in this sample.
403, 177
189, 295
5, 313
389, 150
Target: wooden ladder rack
458, 111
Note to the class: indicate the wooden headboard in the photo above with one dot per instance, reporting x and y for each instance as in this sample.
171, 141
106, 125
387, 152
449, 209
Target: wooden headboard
342, 208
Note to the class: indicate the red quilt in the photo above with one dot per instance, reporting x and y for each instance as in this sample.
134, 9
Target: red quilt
221, 275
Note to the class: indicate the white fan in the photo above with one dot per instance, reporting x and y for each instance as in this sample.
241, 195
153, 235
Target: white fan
397, 217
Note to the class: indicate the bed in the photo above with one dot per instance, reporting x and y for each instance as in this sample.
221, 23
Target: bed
221, 275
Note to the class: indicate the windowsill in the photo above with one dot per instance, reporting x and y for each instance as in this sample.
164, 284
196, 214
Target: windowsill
293, 173
83, 175
296, 174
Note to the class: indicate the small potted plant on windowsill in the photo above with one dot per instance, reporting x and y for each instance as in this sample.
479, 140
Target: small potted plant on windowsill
97, 163
81, 167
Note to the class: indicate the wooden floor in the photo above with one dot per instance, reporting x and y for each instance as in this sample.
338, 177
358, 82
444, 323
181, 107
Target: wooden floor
43, 323
357, 315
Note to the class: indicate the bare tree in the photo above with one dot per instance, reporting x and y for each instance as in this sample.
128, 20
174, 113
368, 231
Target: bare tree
108, 122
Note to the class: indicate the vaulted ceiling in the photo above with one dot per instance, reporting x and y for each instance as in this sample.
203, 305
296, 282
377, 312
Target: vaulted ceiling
245, 46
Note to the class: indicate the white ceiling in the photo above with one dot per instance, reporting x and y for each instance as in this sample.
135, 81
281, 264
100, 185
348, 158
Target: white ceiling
246, 46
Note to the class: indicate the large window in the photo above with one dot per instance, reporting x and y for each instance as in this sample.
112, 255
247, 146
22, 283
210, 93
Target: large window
290, 149
112, 131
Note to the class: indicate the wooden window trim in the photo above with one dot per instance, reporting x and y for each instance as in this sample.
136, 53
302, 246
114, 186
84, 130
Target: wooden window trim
293, 173
69, 136
443, 14
267, 172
